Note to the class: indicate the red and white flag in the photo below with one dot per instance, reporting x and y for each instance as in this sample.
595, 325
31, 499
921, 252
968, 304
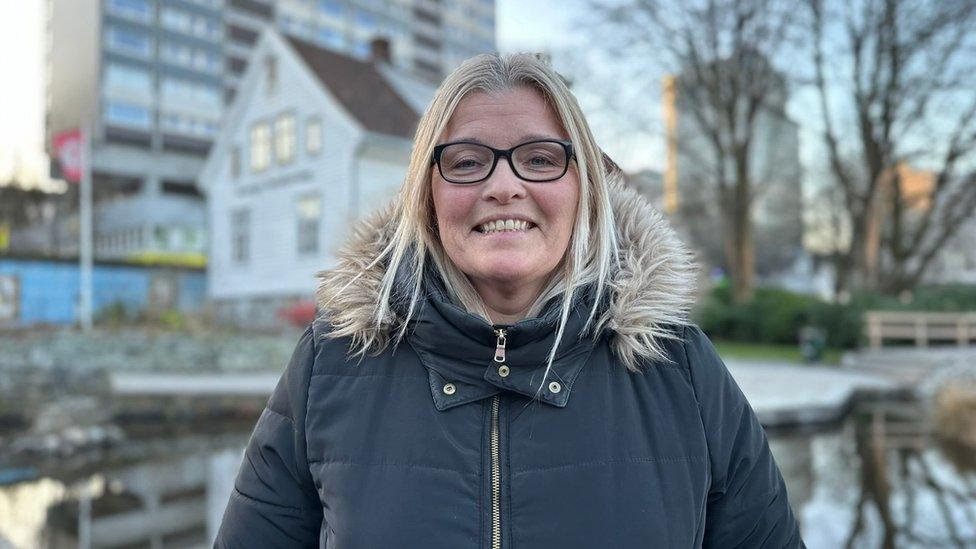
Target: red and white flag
67, 147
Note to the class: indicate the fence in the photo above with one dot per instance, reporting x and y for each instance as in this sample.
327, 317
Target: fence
921, 327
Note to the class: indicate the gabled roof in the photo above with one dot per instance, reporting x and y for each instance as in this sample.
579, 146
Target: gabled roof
361, 88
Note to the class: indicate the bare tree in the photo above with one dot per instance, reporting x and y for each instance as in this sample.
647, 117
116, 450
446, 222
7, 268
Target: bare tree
896, 85
720, 54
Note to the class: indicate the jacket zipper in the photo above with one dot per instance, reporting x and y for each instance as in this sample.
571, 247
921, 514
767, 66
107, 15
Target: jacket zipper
496, 480
496, 476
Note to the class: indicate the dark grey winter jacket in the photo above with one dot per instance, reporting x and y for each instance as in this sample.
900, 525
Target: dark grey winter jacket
438, 443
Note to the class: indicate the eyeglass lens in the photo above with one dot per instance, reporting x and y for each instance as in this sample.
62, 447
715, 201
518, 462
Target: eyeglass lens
467, 162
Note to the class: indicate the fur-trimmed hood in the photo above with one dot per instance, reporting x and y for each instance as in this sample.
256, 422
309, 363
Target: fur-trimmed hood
650, 296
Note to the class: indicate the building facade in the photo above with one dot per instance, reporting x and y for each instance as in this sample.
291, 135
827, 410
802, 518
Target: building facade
150, 80
314, 140
690, 192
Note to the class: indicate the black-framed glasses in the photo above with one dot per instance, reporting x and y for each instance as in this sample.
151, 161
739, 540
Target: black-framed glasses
466, 162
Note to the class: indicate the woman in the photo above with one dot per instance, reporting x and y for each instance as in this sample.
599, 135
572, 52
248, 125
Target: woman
551, 391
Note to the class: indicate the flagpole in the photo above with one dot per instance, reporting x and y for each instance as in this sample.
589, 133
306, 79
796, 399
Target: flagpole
85, 231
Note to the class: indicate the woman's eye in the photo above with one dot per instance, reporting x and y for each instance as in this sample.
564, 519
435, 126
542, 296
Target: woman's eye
540, 162
465, 164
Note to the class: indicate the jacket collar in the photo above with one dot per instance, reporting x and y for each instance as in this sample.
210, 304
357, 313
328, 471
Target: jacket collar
468, 363
650, 295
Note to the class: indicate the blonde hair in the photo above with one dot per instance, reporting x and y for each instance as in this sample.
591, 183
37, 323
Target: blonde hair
591, 256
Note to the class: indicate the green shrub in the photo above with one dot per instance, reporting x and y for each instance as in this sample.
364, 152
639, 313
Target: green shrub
774, 315
113, 314
172, 319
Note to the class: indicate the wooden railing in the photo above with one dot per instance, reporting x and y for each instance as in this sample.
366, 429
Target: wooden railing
921, 327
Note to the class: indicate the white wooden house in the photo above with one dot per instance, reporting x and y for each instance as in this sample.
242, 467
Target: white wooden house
313, 140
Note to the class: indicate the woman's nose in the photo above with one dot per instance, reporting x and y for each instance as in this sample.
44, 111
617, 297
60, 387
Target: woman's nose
504, 185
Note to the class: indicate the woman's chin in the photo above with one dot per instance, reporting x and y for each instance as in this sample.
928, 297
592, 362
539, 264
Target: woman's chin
506, 271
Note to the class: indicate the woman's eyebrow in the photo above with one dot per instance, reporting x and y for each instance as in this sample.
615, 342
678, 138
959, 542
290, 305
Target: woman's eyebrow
522, 139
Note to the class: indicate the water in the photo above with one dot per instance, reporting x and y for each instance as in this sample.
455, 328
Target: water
879, 479
158, 488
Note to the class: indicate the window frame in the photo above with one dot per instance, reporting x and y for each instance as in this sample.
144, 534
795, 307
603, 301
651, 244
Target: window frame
240, 235
282, 138
315, 121
307, 229
254, 146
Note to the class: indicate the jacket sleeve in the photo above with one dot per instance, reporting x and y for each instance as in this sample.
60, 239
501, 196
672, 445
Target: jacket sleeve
747, 503
274, 502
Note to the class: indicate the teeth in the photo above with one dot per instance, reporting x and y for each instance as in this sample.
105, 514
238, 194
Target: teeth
504, 225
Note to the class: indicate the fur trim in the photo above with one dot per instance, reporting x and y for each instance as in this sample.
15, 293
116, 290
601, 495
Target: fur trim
651, 294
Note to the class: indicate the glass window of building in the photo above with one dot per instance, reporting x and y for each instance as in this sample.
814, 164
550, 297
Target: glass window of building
126, 114
240, 231
177, 20
271, 73
260, 147
331, 7
187, 56
128, 81
196, 96
161, 237
136, 10
284, 136
365, 20
129, 41
235, 162
309, 213
361, 48
189, 124
188, 23
313, 136
330, 37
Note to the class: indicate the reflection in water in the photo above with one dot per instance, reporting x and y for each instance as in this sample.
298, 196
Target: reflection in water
135, 495
879, 480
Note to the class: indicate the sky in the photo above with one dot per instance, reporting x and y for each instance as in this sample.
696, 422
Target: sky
22, 104
22, 95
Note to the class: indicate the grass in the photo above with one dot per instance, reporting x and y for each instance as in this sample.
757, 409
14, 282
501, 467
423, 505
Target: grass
768, 351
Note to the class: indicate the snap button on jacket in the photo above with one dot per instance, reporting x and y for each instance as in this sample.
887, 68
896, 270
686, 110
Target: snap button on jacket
432, 444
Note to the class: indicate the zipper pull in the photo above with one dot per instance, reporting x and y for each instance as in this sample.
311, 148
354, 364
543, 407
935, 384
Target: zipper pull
500, 345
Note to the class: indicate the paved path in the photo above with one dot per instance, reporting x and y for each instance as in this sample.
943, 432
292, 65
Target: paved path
784, 393
196, 385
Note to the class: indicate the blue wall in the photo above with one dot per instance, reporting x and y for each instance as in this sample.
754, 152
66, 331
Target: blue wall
49, 288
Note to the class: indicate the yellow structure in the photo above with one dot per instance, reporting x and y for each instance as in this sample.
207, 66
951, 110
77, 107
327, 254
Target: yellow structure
669, 106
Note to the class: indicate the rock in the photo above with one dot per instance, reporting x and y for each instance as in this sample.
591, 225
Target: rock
955, 413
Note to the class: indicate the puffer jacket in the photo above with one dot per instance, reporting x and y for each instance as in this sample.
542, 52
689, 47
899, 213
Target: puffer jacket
446, 441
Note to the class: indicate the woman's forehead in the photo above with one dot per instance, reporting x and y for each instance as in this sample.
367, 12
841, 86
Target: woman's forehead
504, 118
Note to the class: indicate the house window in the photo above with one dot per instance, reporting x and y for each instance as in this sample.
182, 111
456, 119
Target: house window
313, 136
309, 213
271, 73
260, 147
240, 230
235, 162
284, 135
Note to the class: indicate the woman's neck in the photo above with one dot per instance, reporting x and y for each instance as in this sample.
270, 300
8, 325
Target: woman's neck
508, 303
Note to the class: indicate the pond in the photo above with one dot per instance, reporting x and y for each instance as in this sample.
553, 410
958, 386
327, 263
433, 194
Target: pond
878, 479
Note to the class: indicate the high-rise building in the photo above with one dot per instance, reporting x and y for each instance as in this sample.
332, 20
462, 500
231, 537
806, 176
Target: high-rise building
150, 79
690, 186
